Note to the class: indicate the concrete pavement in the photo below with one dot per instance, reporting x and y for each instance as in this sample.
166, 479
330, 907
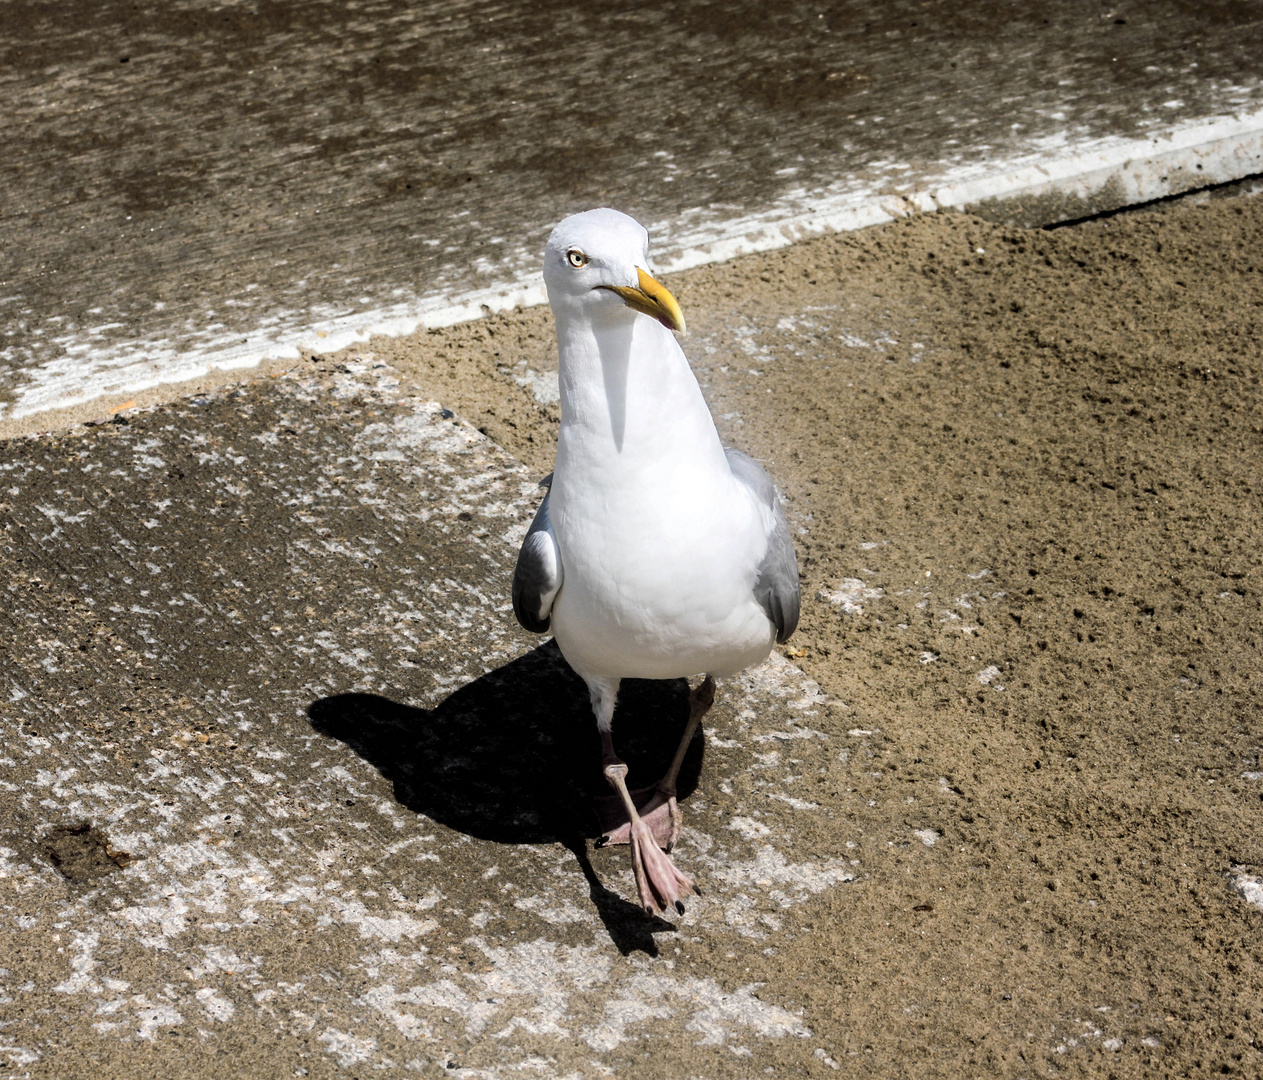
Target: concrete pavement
288, 790
194, 187
285, 784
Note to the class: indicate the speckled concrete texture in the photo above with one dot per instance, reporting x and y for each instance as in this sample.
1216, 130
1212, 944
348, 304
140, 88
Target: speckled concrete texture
283, 779
1024, 468
284, 785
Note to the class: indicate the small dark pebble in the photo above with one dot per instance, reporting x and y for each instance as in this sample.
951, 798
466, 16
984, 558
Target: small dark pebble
924, 907
119, 418
446, 414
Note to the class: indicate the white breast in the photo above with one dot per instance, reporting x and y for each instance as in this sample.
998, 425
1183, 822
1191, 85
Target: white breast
660, 544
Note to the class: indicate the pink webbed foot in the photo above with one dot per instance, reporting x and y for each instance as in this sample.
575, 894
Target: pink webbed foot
659, 882
660, 812
650, 819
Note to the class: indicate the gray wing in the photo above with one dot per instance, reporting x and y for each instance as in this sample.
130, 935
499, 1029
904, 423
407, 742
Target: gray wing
537, 576
776, 588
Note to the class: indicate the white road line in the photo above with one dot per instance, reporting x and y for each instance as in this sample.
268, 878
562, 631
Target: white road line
1104, 173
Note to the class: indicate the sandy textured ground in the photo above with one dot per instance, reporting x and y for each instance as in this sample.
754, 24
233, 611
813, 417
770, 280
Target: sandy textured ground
1026, 471
260, 640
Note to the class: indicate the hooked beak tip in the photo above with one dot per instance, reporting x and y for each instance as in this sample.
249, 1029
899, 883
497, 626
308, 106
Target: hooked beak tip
652, 298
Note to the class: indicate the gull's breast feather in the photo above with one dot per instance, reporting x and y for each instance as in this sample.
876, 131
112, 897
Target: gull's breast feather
660, 583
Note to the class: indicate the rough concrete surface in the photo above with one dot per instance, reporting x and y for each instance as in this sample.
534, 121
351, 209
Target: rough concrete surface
283, 777
285, 784
195, 184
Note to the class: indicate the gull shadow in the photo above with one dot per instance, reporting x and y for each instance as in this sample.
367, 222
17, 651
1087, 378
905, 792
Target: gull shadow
514, 758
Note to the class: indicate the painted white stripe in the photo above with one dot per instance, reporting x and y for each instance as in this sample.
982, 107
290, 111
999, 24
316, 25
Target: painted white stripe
1126, 171
1191, 156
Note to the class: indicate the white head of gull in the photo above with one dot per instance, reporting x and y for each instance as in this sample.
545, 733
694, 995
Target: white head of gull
657, 553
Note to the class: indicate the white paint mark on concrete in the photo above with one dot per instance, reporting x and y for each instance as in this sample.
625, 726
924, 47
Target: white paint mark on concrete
716, 1015
749, 828
789, 736
82, 965
769, 868
17, 1056
392, 929
548, 908
151, 1018
850, 595
1247, 886
770, 877
794, 804
216, 1007
988, 676
386, 1001
544, 386
348, 1049
780, 680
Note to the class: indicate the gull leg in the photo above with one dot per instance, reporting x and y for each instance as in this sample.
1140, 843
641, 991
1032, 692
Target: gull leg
700, 701
657, 805
658, 881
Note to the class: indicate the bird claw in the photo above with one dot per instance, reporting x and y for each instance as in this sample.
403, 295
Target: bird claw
649, 819
659, 882
660, 812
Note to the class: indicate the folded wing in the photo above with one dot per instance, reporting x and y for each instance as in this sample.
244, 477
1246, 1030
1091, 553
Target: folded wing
776, 587
537, 576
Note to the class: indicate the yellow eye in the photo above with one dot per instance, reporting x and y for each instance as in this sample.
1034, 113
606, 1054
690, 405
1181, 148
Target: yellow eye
576, 258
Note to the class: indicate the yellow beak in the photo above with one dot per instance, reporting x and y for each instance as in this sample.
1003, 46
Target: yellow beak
652, 299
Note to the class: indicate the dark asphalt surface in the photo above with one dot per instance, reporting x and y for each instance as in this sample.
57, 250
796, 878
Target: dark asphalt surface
198, 180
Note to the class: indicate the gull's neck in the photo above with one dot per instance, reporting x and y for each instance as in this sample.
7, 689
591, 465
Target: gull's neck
629, 399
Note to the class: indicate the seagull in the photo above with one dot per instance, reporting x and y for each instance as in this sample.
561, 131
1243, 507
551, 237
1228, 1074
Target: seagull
657, 553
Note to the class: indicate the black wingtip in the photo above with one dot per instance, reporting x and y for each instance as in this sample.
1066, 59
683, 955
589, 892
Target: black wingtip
527, 621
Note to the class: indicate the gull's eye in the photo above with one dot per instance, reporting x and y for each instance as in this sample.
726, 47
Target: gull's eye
576, 258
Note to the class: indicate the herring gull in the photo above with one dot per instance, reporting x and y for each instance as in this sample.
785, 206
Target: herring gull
657, 553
